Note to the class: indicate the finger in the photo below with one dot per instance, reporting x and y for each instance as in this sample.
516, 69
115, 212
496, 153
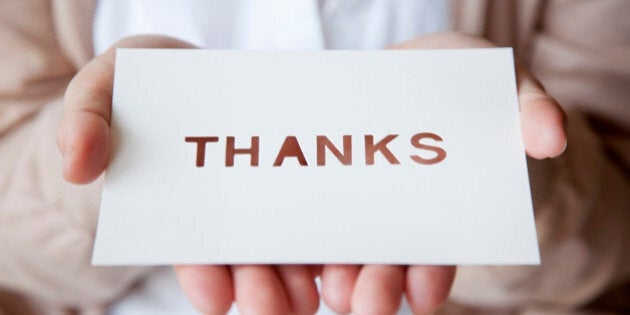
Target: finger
427, 287
209, 288
542, 118
337, 285
378, 289
446, 40
84, 134
83, 137
259, 290
316, 270
299, 285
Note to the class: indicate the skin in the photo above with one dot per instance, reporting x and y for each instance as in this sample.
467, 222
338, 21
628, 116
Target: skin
83, 139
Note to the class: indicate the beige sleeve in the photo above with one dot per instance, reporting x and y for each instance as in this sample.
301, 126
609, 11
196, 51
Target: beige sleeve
582, 199
46, 225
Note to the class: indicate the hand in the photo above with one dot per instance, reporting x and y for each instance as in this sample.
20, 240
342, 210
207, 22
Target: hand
84, 142
374, 289
83, 139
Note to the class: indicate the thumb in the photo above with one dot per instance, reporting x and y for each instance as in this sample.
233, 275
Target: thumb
83, 136
542, 118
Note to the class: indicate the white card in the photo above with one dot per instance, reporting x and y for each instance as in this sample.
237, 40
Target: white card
432, 170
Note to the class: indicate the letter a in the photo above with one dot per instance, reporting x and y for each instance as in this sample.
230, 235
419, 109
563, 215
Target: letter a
290, 148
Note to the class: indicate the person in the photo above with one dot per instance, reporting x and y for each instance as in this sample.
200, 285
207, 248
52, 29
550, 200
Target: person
581, 199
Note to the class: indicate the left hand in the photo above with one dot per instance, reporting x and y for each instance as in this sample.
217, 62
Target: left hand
378, 289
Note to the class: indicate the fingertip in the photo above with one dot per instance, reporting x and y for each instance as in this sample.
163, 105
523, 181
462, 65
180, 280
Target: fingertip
151, 41
84, 143
259, 290
543, 123
337, 286
378, 289
300, 288
428, 287
208, 288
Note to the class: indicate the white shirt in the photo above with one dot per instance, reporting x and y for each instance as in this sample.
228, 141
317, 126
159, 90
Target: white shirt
265, 25
272, 24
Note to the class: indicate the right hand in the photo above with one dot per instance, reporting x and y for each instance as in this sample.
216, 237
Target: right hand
83, 136
84, 142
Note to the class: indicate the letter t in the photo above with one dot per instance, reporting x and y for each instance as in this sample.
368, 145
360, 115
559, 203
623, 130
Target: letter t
201, 147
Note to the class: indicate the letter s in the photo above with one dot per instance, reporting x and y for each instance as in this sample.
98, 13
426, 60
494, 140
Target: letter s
416, 142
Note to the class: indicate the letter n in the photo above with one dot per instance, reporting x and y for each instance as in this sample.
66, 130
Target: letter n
345, 158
